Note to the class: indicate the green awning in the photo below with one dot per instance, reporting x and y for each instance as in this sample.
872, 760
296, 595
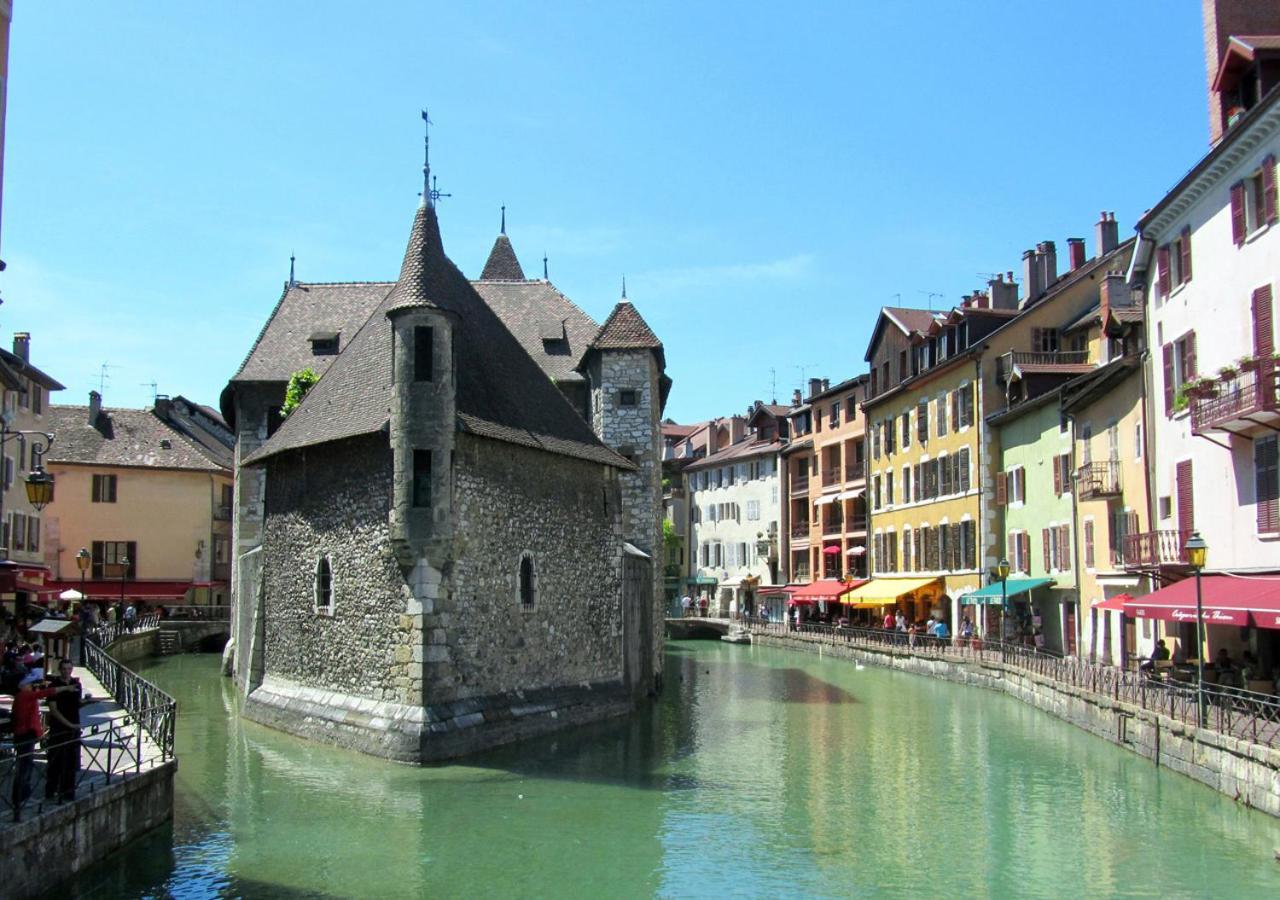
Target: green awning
1014, 586
701, 579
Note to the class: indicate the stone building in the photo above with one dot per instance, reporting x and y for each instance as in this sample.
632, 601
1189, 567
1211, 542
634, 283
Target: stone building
452, 542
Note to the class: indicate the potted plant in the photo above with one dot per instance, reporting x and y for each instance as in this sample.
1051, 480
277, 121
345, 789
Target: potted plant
1181, 398
1228, 371
1248, 363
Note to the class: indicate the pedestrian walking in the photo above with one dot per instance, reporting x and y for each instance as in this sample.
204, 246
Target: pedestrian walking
686, 602
64, 735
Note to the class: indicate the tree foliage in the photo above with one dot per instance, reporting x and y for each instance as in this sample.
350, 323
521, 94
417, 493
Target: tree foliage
299, 383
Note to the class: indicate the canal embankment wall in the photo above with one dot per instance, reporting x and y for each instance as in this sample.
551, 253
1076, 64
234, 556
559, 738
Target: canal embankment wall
62, 840
1243, 770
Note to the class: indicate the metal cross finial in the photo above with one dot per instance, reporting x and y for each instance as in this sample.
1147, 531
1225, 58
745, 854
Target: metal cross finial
504, 220
435, 192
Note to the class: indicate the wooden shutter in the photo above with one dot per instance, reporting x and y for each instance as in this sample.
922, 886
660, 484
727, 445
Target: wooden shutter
1186, 502
1169, 388
1057, 476
1190, 342
1266, 467
1186, 253
1263, 333
1026, 551
1237, 213
1269, 209
1064, 547
1011, 548
1088, 544
1002, 489
1162, 270
1044, 535
954, 397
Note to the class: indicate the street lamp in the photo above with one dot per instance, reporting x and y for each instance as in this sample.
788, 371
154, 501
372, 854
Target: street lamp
1197, 550
82, 563
1002, 569
39, 482
124, 573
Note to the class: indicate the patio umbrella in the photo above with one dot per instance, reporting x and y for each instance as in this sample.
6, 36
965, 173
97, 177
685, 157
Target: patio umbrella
71, 594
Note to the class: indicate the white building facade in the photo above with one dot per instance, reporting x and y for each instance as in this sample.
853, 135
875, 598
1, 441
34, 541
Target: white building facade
735, 511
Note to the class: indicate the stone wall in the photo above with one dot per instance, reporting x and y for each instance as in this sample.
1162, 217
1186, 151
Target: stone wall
334, 500
1247, 772
44, 850
510, 501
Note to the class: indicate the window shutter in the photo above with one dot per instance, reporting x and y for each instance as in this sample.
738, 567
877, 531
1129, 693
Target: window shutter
955, 410
1088, 544
1269, 189
1162, 270
1026, 551
1186, 501
1237, 213
132, 550
1064, 547
1186, 253
1169, 388
1057, 476
1002, 489
1265, 466
1192, 369
1044, 535
1263, 334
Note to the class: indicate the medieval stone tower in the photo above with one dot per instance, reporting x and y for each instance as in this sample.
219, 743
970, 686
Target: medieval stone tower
625, 366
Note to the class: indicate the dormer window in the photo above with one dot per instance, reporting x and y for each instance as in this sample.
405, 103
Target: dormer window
324, 343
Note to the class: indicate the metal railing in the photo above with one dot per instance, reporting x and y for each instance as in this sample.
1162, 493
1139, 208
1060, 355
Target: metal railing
205, 613
105, 632
1234, 398
155, 710
799, 485
1154, 548
830, 476
854, 471
1242, 714
801, 530
1098, 479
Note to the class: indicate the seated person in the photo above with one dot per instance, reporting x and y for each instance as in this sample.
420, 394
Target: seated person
1159, 654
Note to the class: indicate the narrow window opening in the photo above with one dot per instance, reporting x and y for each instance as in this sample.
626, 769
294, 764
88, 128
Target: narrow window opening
324, 585
421, 478
423, 355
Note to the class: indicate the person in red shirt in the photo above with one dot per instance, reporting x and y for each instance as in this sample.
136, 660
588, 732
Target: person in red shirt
27, 729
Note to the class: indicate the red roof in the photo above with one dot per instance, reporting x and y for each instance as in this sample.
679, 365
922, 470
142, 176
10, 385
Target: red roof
1226, 600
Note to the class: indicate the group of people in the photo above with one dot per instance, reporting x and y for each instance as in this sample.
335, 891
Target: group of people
691, 607
1224, 670
56, 728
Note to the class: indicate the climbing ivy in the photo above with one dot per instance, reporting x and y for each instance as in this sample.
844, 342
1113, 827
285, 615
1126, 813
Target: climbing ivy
299, 383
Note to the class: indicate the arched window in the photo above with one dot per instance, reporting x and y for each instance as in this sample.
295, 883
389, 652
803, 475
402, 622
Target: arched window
324, 585
528, 583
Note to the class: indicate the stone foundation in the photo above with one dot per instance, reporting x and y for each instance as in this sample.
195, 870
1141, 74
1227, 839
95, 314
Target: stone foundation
436, 733
1246, 772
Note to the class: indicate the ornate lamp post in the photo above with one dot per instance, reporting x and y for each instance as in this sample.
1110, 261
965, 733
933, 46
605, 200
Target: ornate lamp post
124, 573
82, 563
1197, 550
1002, 570
39, 482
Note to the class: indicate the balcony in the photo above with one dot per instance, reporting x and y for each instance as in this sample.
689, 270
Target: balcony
833, 525
855, 471
857, 523
1151, 549
831, 476
222, 514
1028, 361
799, 486
1098, 479
800, 573
1240, 404
800, 531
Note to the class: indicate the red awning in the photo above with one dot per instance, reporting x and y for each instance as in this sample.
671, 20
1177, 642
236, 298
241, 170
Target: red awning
1227, 600
32, 588
107, 590
1114, 604
825, 589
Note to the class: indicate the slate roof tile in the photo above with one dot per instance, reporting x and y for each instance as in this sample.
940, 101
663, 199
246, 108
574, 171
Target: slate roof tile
502, 264
129, 437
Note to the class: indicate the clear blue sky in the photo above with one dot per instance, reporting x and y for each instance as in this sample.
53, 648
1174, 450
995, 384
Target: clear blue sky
765, 176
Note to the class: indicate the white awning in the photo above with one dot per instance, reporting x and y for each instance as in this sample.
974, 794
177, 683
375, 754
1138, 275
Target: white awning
823, 501
849, 495
855, 551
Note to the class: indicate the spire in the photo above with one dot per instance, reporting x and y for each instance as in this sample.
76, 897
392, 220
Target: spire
503, 230
625, 329
624, 287
423, 258
430, 193
502, 264
293, 282
545, 276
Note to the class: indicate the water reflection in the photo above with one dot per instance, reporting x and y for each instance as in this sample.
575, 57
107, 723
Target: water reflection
759, 772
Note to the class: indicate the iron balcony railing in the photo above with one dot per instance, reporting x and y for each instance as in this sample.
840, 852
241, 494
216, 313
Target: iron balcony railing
801, 530
1232, 400
1148, 549
799, 485
833, 525
1098, 479
1005, 363
855, 471
831, 475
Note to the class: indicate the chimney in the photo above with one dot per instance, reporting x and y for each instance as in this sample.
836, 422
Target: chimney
826, 384
1047, 257
1222, 19
796, 399
22, 345
163, 406
815, 386
1108, 233
1075, 252
95, 408
1030, 275
1113, 293
1004, 294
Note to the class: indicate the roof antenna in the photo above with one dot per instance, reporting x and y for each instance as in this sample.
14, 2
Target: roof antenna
154, 390
504, 220
624, 287
293, 282
545, 276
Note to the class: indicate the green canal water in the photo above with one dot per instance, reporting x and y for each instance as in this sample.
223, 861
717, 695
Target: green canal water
759, 773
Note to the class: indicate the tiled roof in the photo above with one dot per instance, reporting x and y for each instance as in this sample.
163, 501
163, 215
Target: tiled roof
550, 326
501, 392
740, 450
625, 329
129, 437
284, 346
502, 264
18, 367
910, 320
